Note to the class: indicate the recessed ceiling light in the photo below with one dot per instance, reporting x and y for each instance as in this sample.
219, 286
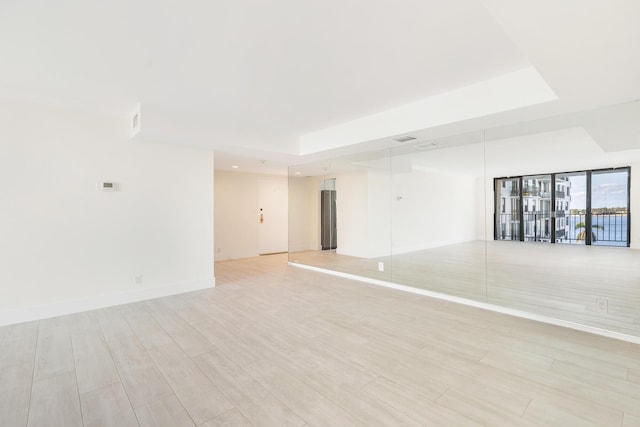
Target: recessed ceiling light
235, 167
297, 173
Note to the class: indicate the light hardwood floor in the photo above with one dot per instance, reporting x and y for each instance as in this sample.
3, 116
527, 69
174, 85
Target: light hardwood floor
281, 346
560, 281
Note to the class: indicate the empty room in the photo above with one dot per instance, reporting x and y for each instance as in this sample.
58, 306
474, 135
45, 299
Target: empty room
246, 213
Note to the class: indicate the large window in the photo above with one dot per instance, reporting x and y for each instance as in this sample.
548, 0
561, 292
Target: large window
585, 208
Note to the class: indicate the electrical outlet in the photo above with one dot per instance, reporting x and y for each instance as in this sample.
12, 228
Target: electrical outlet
137, 280
602, 305
380, 266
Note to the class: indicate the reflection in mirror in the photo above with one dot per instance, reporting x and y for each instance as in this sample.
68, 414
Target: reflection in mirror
537, 216
570, 207
340, 215
305, 234
560, 193
438, 215
608, 210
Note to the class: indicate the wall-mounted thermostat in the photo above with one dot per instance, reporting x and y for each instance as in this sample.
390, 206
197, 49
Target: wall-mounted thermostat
106, 186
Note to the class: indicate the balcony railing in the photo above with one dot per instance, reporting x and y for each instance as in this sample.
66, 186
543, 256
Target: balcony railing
560, 194
530, 191
606, 229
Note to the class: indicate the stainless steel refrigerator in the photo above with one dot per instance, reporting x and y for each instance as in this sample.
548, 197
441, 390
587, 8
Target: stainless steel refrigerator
328, 230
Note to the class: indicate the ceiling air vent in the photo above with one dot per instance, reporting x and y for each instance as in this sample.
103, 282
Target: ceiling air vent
428, 146
404, 138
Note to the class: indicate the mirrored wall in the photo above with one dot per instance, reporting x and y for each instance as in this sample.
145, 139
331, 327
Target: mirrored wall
340, 215
535, 216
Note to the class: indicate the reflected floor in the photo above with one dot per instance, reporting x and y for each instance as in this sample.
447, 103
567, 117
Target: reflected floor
595, 286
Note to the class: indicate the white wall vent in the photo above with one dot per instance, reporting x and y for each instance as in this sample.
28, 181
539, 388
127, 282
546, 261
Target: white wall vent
404, 138
106, 186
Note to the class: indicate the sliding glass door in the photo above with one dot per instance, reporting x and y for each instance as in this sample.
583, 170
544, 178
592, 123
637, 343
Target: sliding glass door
580, 208
524, 209
536, 197
571, 207
610, 207
508, 211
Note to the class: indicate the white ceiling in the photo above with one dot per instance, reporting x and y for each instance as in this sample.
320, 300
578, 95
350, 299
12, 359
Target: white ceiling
564, 150
599, 138
251, 78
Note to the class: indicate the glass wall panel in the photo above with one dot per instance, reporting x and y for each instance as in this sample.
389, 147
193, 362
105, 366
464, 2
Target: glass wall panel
560, 267
521, 216
340, 212
438, 213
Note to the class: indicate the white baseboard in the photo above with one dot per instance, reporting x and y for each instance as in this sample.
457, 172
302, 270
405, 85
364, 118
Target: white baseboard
27, 314
479, 304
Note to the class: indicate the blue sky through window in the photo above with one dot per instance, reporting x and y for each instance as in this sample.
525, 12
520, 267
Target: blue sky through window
609, 190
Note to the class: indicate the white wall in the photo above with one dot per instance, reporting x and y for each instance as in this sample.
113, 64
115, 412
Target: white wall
237, 214
411, 209
484, 222
352, 214
236, 221
64, 246
435, 209
380, 205
304, 214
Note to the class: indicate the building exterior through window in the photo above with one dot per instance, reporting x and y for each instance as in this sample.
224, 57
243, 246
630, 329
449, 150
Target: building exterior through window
561, 207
